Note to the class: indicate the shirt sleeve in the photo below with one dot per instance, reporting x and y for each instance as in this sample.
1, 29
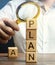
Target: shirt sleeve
9, 10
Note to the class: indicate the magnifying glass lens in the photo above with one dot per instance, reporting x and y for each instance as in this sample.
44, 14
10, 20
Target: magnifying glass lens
27, 11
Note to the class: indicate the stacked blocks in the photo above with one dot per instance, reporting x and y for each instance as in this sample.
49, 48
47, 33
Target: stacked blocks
31, 40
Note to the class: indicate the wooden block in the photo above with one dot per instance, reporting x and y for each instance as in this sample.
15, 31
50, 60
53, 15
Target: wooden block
30, 45
12, 52
31, 24
31, 57
31, 34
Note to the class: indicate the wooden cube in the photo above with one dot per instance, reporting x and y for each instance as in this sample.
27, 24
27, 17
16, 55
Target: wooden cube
12, 52
30, 45
31, 57
31, 34
31, 24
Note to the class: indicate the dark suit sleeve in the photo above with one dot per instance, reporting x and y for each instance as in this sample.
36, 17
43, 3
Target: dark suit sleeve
4, 47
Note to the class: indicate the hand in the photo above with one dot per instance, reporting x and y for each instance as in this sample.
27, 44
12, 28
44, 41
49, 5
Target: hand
7, 28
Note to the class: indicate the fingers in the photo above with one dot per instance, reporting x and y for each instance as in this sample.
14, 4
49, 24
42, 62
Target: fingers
3, 35
6, 29
11, 24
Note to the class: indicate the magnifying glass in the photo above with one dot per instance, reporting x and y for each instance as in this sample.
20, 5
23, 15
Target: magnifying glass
27, 10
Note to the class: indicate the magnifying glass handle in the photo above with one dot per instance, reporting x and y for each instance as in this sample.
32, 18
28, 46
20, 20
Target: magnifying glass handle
18, 21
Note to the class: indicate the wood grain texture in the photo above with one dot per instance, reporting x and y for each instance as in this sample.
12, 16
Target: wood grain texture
31, 24
31, 57
31, 34
30, 45
12, 52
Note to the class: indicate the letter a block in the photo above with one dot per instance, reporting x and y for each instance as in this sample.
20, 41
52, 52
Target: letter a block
12, 52
31, 57
31, 45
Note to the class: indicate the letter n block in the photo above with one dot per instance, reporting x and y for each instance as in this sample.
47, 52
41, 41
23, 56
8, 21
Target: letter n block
12, 52
31, 57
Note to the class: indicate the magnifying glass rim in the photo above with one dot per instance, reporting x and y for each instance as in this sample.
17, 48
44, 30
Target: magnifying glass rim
31, 2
